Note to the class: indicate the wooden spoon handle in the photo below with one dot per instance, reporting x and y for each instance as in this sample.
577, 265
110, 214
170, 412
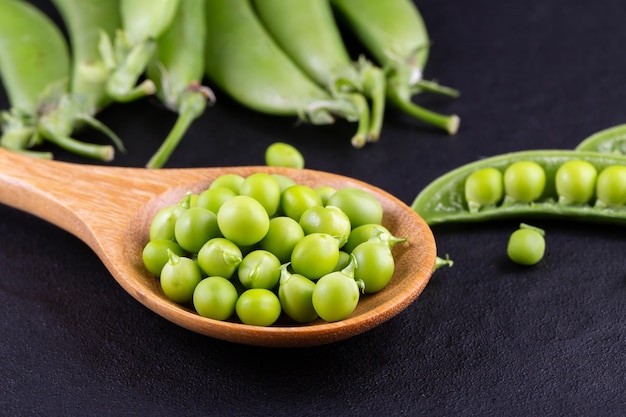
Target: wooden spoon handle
79, 198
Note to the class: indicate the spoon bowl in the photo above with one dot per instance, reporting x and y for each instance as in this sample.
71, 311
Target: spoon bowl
110, 209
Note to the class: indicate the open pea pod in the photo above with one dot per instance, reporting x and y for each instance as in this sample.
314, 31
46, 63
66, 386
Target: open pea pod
611, 140
445, 200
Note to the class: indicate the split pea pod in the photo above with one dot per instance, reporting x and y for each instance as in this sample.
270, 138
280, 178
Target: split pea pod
394, 33
244, 61
177, 72
36, 70
587, 186
611, 140
134, 46
310, 36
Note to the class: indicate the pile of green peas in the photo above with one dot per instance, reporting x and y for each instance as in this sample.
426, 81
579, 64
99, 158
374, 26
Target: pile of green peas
259, 247
577, 182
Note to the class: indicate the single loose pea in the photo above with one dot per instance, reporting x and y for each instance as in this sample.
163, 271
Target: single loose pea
611, 186
575, 182
524, 181
282, 154
526, 245
483, 187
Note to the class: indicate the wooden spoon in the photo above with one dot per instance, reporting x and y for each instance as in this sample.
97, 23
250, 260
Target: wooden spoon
110, 209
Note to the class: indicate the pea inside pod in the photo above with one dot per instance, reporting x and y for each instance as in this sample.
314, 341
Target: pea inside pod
572, 196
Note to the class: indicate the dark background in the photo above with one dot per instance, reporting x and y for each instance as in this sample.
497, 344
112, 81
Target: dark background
485, 338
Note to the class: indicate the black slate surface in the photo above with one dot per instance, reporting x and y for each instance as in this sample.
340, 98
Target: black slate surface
486, 337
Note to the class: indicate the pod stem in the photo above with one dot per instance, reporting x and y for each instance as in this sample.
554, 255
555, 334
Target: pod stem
363, 118
126, 64
440, 262
435, 88
374, 87
89, 150
449, 123
192, 105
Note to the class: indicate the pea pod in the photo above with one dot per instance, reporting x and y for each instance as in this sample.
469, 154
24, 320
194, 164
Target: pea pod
86, 21
310, 36
177, 71
611, 140
30, 65
394, 32
36, 70
134, 46
444, 199
245, 62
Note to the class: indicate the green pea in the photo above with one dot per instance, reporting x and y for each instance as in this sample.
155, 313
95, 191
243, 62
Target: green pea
163, 223
213, 198
526, 245
232, 181
194, 227
575, 182
258, 307
283, 181
296, 199
243, 220
296, 296
264, 188
330, 220
315, 255
374, 264
524, 181
219, 257
215, 298
179, 278
281, 154
360, 206
155, 254
325, 192
259, 269
611, 186
483, 187
282, 236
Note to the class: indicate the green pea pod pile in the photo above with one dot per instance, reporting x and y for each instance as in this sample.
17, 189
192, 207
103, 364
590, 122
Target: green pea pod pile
37, 73
123, 50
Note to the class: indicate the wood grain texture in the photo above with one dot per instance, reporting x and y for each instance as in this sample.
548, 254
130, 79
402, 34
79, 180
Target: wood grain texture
110, 209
